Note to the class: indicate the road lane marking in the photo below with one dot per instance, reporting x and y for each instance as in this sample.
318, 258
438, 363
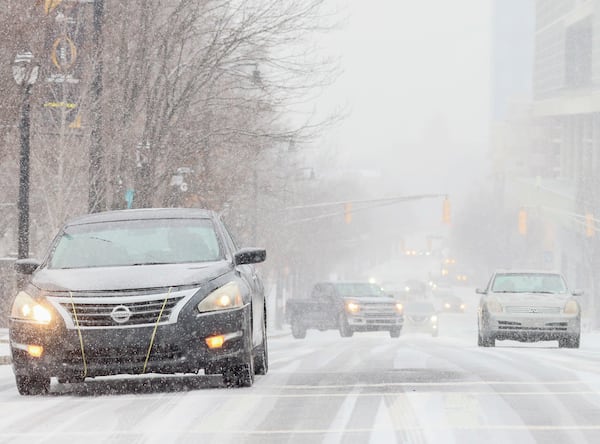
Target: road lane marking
328, 431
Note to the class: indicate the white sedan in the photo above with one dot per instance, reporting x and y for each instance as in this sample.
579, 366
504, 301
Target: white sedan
528, 306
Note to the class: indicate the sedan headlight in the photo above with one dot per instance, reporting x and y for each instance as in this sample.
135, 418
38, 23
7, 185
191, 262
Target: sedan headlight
25, 308
494, 306
571, 307
352, 307
224, 298
434, 319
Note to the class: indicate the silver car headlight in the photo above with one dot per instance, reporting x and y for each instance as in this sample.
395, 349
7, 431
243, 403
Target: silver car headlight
494, 306
571, 307
223, 298
25, 308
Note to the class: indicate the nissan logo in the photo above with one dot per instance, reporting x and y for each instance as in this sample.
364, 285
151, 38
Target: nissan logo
120, 314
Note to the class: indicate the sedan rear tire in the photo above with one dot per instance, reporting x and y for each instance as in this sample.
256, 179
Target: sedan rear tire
261, 360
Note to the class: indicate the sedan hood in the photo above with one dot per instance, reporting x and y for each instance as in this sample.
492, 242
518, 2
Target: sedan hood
532, 299
130, 277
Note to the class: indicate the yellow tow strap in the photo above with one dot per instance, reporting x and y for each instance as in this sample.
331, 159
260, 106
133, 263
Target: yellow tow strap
80, 337
155, 328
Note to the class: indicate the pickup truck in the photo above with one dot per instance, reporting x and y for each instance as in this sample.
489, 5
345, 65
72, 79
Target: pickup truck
347, 307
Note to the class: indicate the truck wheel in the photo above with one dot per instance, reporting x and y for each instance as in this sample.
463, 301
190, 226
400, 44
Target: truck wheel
395, 333
298, 330
345, 329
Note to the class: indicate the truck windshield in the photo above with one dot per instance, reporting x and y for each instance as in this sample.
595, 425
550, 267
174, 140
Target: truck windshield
359, 289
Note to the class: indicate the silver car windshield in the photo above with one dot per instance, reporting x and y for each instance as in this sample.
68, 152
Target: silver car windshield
529, 283
136, 242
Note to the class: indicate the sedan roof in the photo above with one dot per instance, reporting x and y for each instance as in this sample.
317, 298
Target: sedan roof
142, 213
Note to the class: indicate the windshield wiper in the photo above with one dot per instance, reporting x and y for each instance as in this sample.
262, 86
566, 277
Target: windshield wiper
148, 263
100, 239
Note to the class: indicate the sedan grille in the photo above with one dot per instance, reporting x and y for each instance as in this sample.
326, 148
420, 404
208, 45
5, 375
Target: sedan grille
532, 310
517, 326
121, 310
134, 313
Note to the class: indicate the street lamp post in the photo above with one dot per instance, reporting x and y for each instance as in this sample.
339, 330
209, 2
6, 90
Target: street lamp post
25, 74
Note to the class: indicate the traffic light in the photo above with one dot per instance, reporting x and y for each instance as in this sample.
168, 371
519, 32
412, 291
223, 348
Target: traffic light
522, 222
590, 227
446, 211
348, 212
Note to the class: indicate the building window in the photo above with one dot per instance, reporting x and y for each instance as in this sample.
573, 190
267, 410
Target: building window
578, 54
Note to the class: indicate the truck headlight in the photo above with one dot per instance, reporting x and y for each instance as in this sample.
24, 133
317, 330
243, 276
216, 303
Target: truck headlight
494, 306
224, 298
399, 308
25, 308
434, 319
352, 307
571, 307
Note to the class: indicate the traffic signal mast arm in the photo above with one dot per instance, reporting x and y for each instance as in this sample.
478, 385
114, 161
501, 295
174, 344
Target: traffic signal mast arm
348, 207
587, 220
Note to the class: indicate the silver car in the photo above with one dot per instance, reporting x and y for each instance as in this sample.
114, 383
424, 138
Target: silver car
528, 306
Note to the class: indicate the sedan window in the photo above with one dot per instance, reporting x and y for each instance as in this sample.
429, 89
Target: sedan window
529, 283
137, 242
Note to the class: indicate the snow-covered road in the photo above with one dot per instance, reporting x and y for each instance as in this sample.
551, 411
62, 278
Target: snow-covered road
326, 389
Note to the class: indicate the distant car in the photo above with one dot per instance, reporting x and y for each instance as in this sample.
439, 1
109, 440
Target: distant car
446, 300
420, 317
415, 290
528, 306
140, 291
452, 303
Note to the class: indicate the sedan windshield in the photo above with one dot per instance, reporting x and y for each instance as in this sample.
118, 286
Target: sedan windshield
136, 242
529, 283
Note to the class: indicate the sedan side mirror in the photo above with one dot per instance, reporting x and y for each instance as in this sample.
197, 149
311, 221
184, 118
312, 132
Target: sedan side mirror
26, 266
250, 256
480, 291
577, 292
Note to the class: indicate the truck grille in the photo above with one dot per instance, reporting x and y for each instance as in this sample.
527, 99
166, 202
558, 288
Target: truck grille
379, 310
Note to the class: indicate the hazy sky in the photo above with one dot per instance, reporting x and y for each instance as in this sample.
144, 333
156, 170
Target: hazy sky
416, 76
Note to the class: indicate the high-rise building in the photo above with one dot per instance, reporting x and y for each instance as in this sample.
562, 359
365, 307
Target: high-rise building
513, 26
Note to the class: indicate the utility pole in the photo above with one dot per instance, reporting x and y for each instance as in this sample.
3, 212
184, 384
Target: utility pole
25, 74
97, 179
